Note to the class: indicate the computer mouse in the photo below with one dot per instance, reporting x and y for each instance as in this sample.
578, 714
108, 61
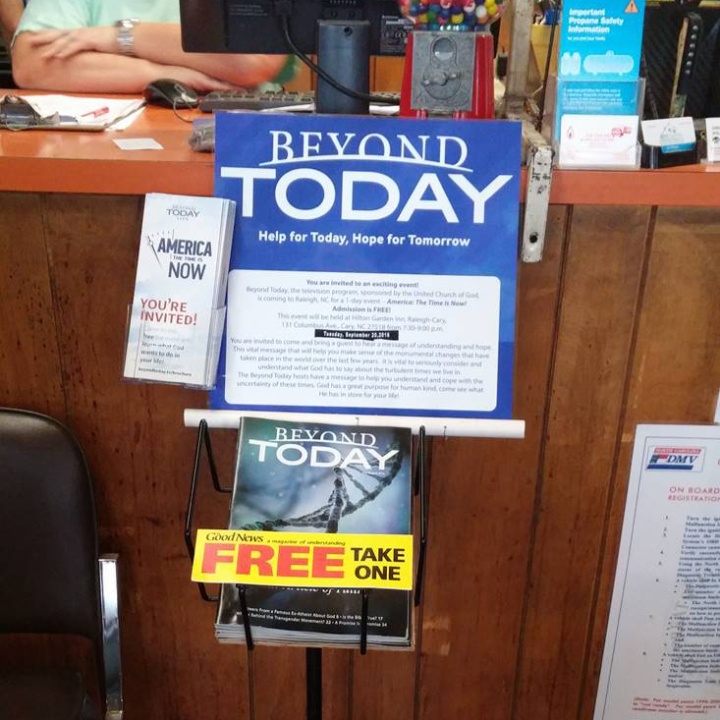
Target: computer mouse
170, 93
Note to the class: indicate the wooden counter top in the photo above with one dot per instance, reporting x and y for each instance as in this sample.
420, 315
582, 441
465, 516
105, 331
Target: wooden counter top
78, 162
90, 162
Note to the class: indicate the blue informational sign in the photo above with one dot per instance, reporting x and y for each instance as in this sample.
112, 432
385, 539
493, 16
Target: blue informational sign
601, 40
599, 67
373, 265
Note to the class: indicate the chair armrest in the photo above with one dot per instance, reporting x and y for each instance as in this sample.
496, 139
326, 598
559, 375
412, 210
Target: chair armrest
109, 605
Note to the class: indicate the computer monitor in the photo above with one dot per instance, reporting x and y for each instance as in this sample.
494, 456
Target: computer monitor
252, 26
342, 34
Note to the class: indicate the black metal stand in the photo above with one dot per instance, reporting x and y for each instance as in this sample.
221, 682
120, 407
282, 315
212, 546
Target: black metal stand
245, 617
203, 440
313, 655
313, 683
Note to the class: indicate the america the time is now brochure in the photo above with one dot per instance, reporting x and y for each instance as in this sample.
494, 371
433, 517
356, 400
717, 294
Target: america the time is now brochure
178, 305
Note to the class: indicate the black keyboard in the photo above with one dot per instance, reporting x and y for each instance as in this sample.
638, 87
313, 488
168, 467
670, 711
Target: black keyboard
238, 100
248, 100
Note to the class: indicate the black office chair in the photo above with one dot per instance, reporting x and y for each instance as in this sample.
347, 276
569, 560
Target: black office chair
52, 581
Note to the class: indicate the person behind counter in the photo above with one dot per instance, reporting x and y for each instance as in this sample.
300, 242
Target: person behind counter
119, 46
10, 12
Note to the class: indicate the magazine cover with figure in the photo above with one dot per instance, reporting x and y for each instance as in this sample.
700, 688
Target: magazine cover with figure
315, 477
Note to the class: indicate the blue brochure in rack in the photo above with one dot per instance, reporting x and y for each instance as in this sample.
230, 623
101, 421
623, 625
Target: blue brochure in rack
373, 268
600, 50
601, 40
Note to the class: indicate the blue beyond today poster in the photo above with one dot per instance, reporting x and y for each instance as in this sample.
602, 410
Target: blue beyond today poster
373, 266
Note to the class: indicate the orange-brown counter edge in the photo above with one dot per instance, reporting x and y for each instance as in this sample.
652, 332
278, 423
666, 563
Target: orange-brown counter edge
71, 162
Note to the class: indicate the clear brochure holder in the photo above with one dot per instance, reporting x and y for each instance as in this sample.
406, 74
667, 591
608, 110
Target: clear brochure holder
181, 354
176, 319
604, 135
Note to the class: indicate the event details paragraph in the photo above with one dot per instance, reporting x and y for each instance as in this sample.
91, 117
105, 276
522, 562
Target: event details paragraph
362, 340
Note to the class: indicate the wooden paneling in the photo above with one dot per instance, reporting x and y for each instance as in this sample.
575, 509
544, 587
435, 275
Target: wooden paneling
482, 503
140, 457
600, 288
618, 324
28, 338
391, 676
675, 369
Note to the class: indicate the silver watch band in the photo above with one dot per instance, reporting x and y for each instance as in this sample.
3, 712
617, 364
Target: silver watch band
124, 36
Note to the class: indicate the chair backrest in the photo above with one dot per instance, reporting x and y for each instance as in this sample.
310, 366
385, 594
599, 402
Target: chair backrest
49, 558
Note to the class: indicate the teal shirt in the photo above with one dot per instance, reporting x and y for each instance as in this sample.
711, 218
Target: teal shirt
68, 14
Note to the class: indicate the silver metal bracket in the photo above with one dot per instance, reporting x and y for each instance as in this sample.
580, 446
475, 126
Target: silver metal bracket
537, 202
538, 158
110, 617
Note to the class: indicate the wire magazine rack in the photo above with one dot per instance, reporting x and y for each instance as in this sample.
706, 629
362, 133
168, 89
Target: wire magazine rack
313, 655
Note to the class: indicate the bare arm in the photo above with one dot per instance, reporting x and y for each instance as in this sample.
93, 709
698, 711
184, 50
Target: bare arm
10, 12
161, 42
87, 59
90, 71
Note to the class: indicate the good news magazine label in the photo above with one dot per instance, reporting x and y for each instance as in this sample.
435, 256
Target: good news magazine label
373, 264
304, 559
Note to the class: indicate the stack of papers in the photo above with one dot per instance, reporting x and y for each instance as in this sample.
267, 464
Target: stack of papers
309, 495
64, 112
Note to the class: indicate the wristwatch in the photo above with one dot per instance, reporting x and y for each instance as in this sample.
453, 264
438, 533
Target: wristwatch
124, 36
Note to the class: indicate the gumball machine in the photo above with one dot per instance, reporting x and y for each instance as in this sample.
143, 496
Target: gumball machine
449, 59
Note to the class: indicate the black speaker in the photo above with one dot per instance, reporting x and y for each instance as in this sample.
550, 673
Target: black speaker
344, 54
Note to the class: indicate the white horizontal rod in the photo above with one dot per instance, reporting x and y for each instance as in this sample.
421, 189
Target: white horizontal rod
438, 426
